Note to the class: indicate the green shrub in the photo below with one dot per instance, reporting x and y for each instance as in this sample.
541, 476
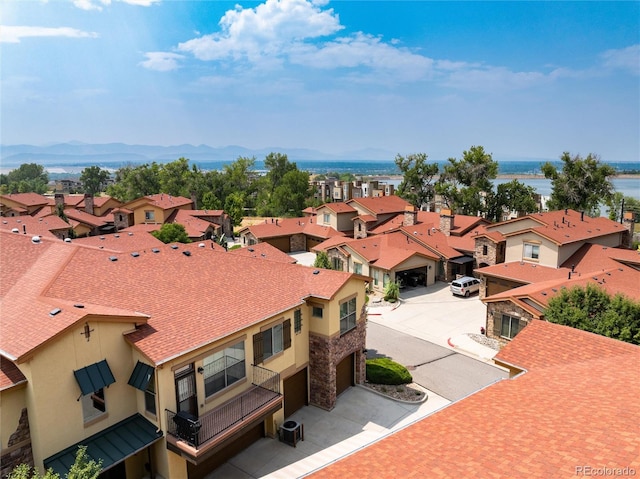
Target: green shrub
392, 292
235, 246
386, 371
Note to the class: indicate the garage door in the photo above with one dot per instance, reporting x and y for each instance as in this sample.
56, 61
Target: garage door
222, 456
295, 392
282, 243
344, 374
313, 242
495, 286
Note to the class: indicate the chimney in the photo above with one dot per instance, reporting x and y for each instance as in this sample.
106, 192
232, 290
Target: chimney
195, 200
88, 203
446, 221
276, 221
628, 220
59, 197
410, 216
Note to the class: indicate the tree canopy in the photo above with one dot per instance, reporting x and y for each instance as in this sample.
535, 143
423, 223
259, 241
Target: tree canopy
94, 179
592, 309
418, 185
322, 261
82, 468
172, 233
581, 185
27, 178
511, 196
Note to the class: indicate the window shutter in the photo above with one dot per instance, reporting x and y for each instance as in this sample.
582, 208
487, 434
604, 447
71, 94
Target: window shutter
286, 334
258, 351
497, 325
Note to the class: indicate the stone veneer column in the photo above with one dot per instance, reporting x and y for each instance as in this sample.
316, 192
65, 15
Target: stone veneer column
326, 353
21, 452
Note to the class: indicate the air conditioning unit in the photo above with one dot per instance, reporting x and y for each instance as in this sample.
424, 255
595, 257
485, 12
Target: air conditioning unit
291, 432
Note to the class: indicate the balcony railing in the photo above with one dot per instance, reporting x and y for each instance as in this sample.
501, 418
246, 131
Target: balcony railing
197, 431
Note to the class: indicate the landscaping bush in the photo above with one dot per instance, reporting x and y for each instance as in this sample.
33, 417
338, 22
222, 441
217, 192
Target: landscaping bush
386, 371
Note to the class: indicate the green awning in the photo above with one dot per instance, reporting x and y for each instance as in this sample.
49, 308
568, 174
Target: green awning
141, 376
94, 377
113, 445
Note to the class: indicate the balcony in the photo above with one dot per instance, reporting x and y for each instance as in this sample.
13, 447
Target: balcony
198, 438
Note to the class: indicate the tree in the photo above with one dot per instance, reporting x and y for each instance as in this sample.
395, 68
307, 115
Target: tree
511, 196
582, 184
618, 204
278, 166
592, 309
234, 207
134, 182
465, 184
94, 179
27, 178
322, 261
417, 185
288, 199
82, 468
172, 233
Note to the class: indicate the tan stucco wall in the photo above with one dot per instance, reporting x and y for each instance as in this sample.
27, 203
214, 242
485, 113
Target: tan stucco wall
521, 224
612, 241
12, 401
515, 249
55, 414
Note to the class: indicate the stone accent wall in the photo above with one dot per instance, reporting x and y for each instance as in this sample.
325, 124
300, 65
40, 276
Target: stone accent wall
495, 312
359, 229
628, 220
21, 453
489, 259
88, 203
335, 253
120, 224
326, 353
410, 216
298, 242
446, 222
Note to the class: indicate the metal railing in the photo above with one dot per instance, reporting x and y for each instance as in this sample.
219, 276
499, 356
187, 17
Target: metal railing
197, 431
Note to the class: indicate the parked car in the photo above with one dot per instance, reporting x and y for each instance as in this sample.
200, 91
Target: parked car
465, 286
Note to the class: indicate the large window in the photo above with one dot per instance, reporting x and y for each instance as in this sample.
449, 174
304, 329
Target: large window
149, 215
271, 341
376, 275
150, 395
531, 251
93, 405
326, 218
223, 368
357, 268
336, 263
347, 315
510, 326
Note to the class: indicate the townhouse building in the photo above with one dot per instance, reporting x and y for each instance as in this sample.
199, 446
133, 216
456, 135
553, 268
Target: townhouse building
164, 360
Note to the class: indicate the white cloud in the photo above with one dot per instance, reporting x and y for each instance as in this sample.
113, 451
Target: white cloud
14, 34
161, 61
98, 4
625, 58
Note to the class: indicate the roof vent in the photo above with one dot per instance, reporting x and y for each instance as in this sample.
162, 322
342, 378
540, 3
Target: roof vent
544, 293
135, 254
200, 245
263, 255
113, 258
67, 240
15, 230
250, 250
174, 246
78, 305
186, 253
116, 236
53, 312
155, 250
316, 271
102, 238
4, 222
35, 239
130, 233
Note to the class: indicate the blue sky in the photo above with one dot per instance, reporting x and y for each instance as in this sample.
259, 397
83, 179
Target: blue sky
522, 79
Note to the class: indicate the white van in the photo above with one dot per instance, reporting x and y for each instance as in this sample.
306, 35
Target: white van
465, 286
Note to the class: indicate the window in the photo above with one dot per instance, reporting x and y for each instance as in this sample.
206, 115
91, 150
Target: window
150, 395
223, 368
326, 218
485, 249
510, 326
357, 268
271, 341
297, 321
531, 251
316, 311
347, 315
336, 264
385, 280
93, 405
376, 273
149, 215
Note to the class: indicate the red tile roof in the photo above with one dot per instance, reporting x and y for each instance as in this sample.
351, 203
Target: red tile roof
595, 257
524, 272
290, 226
338, 207
577, 405
161, 200
432, 238
10, 375
190, 300
194, 226
69, 200
567, 227
264, 251
123, 242
42, 226
389, 250
26, 199
380, 205
84, 217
